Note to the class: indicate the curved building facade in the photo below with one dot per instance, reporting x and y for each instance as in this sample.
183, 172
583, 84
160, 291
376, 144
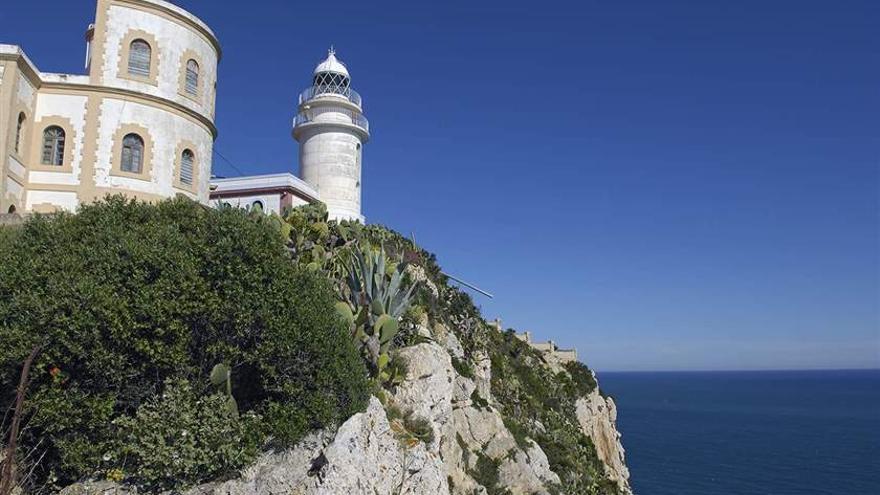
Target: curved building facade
139, 122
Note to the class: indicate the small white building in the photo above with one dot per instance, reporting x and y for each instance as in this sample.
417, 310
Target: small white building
272, 193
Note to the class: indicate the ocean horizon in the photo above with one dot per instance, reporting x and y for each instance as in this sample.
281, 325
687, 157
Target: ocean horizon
768, 432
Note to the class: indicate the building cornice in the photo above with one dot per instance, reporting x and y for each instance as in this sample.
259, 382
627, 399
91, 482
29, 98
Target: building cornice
263, 190
263, 184
15, 53
77, 83
303, 128
135, 95
181, 15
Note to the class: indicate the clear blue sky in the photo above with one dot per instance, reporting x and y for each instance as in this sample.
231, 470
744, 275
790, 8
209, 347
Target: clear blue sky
664, 185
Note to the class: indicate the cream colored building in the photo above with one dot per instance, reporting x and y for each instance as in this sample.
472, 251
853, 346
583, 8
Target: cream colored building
140, 121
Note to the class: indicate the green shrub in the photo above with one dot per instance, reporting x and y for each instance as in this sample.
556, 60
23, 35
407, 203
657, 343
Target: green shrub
582, 377
463, 367
419, 427
180, 436
124, 295
486, 474
529, 393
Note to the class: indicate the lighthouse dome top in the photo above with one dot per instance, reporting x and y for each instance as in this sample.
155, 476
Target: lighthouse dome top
331, 65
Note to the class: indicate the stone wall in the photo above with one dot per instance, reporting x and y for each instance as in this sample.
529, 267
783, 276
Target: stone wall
550, 349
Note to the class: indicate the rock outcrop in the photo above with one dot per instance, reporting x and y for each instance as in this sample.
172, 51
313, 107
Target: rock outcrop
597, 417
366, 454
363, 457
427, 391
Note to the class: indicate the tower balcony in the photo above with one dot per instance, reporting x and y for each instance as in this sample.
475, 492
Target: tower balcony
331, 91
331, 115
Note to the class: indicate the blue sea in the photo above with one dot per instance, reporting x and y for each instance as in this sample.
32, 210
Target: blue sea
749, 433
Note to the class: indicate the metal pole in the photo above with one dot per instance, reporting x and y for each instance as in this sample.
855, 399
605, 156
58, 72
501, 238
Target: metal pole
471, 286
462, 282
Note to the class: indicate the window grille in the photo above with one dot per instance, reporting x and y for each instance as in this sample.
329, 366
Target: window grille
139, 55
192, 77
21, 119
187, 160
132, 154
53, 146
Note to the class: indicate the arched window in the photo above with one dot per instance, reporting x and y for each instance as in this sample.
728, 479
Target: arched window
18, 129
53, 146
139, 55
187, 160
132, 154
11, 209
192, 77
257, 206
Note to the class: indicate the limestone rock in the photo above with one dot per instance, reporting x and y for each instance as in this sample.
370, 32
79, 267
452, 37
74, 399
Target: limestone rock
365, 455
453, 346
597, 417
462, 390
276, 472
483, 375
427, 390
97, 488
540, 464
483, 430
418, 275
519, 476
363, 458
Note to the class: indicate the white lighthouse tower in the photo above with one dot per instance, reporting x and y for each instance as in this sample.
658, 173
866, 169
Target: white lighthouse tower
331, 130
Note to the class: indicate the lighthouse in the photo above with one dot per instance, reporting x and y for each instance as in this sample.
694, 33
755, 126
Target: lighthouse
331, 130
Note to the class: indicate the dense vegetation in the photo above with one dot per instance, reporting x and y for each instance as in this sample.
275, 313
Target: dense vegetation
134, 306
178, 341
535, 400
539, 403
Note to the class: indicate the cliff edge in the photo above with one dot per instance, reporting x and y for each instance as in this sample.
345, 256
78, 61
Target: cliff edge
468, 441
359, 367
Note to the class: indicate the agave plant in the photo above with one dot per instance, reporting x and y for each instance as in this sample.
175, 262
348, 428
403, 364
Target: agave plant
375, 282
377, 294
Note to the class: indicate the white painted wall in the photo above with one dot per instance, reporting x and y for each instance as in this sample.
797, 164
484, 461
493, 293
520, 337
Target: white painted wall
15, 190
296, 201
25, 91
271, 202
72, 108
330, 160
14, 166
167, 131
65, 200
173, 38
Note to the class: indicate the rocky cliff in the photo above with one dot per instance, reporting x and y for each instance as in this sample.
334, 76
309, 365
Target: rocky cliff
468, 447
459, 406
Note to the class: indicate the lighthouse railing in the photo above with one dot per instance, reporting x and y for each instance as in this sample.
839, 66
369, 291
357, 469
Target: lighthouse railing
332, 115
330, 90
